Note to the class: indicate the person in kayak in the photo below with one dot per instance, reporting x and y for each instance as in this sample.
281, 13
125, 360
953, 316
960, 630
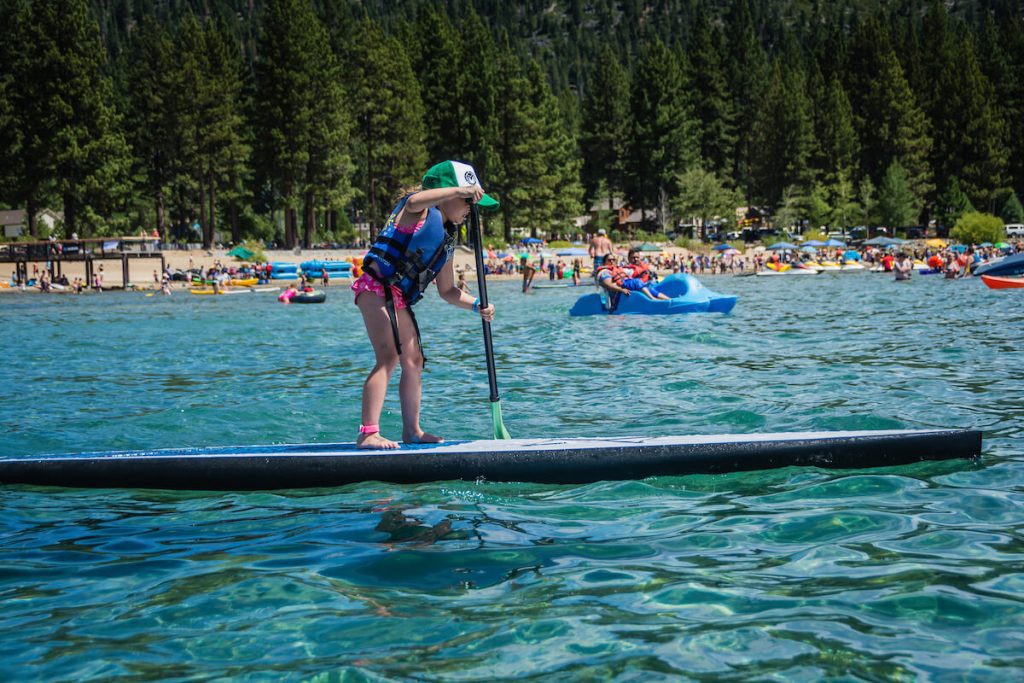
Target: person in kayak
639, 277
414, 247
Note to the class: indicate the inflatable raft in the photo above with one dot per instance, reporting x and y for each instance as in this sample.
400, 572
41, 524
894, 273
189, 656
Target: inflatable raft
687, 294
549, 461
314, 297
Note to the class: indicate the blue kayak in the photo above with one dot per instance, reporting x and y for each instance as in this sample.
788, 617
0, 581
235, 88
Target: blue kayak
687, 294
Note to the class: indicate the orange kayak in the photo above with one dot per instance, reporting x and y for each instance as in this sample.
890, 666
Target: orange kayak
996, 282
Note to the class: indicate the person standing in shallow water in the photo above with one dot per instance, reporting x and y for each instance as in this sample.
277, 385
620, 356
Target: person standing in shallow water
600, 248
424, 221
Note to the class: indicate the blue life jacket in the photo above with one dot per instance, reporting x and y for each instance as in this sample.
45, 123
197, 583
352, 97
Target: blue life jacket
411, 261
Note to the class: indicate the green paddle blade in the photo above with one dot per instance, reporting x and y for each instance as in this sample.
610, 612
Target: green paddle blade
499, 427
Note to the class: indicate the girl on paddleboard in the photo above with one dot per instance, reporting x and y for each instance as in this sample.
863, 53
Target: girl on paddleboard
414, 247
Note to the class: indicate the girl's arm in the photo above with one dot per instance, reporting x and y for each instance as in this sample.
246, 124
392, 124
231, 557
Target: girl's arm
456, 297
424, 199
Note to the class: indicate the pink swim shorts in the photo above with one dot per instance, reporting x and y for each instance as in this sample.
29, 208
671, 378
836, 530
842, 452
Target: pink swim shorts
365, 283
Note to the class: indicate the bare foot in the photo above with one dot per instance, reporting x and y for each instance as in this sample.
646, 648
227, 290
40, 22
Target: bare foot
421, 437
375, 442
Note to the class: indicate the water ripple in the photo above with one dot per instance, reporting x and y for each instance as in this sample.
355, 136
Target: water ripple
796, 574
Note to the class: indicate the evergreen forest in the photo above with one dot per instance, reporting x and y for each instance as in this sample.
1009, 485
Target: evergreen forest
294, 121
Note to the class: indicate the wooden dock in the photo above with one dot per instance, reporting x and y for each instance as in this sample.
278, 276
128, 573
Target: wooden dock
56, 253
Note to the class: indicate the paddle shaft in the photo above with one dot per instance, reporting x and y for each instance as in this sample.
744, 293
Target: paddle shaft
478, 239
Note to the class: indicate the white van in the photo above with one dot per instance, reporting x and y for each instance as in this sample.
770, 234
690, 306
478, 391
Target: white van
1015, 230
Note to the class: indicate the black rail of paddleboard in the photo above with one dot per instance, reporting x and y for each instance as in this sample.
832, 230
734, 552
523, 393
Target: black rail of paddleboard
554, 461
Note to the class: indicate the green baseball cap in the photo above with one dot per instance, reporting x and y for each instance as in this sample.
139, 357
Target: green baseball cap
456, 174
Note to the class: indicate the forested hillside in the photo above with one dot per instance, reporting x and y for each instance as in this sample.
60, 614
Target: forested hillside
293, 120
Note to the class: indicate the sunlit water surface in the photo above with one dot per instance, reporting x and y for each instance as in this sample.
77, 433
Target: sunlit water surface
796, 574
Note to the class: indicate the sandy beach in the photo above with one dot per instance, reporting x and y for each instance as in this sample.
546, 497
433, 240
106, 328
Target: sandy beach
141, 271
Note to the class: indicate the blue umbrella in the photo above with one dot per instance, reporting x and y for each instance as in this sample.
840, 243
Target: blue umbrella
814, 243
530, 240
985, 244
722, 247
808, 248
834, 243
575, 251
958, 248
851, 256
782, 246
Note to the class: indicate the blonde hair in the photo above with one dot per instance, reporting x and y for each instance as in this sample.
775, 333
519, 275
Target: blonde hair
406, 190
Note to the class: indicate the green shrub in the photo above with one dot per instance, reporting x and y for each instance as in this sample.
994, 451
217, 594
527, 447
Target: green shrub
559, 244
974, 228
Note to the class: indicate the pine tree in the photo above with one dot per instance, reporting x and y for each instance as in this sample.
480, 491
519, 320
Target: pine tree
890, 125
976, 146
898, 205
785, 137
479, 87
838, 146
748, 71
69, 127
606, 121
517, 144
713, 106
437, 60
1012, 211
951, 203
227, 147
553, 191
664, 141
388, 113
154, 87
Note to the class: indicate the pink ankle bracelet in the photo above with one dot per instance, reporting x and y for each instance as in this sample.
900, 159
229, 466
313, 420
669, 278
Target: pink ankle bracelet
369, 429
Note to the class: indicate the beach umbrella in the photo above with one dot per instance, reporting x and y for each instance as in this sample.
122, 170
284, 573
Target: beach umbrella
814, 243
530, 240
782, 246
985, 244
1001, 245
808, 248
880, 241
958, 248
575, 251
524, 254
731, 251
832, 242
937, 243
851, 255
501, 255
647, 246
722, 247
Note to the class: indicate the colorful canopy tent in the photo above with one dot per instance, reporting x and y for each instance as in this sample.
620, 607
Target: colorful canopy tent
647, 246
832, 242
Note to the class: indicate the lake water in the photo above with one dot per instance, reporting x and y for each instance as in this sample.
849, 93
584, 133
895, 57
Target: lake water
796, 574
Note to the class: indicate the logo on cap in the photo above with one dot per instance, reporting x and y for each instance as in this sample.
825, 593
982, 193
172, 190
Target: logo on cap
470, 177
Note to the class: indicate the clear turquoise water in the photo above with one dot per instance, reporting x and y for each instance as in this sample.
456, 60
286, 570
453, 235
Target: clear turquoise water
794, 574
